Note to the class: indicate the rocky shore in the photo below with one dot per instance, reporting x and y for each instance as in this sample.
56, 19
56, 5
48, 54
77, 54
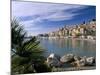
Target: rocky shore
70, 62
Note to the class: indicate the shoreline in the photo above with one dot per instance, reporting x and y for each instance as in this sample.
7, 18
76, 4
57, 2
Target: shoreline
74, 68
68, 38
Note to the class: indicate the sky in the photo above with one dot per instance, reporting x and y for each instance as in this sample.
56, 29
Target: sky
39, 18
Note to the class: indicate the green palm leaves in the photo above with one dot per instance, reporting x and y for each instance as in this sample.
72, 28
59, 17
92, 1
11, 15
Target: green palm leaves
23, 50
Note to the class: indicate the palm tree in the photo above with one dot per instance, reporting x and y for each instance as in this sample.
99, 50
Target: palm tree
24, 52
17, 34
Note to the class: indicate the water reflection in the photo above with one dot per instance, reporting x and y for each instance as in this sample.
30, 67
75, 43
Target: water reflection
75, 46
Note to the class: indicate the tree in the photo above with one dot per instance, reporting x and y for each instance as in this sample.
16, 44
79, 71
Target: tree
93, 19
24, 52
90, 32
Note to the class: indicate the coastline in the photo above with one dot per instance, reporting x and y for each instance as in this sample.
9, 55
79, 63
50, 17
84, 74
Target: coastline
74, 69
94, 40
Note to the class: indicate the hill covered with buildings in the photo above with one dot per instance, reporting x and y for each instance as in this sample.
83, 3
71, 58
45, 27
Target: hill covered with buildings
84, 30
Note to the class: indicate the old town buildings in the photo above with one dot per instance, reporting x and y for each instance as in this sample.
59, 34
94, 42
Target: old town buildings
85, 30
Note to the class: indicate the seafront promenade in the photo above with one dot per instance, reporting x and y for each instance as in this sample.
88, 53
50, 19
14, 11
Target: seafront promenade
89, 39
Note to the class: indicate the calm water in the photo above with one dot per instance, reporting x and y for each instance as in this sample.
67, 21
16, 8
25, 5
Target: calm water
64, 46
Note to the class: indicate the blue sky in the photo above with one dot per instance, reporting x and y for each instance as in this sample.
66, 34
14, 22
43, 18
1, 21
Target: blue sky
38, 18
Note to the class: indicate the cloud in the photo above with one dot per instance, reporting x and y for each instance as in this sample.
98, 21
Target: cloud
31, 13
27, 24
59, 16
43, 10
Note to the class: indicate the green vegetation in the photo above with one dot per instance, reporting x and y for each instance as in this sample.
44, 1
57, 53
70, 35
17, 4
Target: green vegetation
26, 55
91, 32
